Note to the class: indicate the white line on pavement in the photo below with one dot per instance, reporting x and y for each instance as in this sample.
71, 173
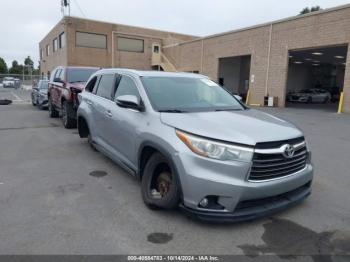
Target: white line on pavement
16, 96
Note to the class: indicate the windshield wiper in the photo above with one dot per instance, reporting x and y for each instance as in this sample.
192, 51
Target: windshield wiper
79, 81
228, 109
172, 111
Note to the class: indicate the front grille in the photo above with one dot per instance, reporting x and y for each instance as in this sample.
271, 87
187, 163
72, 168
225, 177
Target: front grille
268, 165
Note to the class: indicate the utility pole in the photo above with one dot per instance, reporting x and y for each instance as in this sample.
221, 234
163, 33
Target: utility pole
65, 7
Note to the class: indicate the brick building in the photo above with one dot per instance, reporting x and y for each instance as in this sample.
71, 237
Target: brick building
308, 51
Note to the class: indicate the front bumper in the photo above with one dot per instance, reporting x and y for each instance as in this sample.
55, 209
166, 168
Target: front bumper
43, 101
240, 198
254, 209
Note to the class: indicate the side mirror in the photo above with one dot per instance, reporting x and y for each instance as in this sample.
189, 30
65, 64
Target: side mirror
58, 80
239, 98
129, 101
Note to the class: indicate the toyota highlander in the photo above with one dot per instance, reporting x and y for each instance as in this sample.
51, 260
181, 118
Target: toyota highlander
194, 145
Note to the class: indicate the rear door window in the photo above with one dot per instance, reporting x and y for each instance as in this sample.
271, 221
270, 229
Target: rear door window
90, 86
106, 86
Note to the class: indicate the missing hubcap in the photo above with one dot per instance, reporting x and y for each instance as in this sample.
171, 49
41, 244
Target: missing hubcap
162, 185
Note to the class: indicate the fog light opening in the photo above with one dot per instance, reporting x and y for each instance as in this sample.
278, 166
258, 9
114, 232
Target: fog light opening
204, 202
210, 202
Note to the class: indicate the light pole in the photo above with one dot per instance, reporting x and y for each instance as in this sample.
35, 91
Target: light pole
30, 67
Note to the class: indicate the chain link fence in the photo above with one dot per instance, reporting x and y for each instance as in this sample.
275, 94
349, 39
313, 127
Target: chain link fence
19, 80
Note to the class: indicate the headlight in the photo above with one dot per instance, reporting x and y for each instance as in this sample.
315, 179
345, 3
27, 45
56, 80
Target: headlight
215, 150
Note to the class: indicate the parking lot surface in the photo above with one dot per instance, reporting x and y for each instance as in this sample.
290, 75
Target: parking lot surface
58, 196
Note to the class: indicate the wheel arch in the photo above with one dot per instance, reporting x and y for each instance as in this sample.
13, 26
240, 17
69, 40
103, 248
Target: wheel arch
83, 127
146, 150
63, 99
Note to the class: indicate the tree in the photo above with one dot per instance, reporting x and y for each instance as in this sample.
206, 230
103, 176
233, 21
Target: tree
29, 65
16, 68
28, 61
307, 10
3, 66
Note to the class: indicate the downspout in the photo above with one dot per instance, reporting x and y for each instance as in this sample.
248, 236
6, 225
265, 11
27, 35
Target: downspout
202, 52
113, 32
268, 63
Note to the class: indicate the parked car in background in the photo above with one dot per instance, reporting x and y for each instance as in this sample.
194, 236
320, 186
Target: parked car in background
39, 94
194, 145
8, 82
64, 85
312, 95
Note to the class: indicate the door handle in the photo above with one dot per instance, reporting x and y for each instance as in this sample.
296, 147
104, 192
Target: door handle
89, 102
109, 113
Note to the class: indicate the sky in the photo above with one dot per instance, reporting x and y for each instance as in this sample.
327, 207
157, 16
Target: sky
23, 23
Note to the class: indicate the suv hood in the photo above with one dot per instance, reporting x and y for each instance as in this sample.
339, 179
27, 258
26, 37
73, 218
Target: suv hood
244, 127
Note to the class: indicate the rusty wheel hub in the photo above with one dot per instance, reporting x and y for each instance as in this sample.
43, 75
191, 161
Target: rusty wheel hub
164, 183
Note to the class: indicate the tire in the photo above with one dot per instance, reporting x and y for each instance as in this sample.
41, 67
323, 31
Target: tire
33, 103
52, 111
68, 122
309, 99
326, 100
159, 173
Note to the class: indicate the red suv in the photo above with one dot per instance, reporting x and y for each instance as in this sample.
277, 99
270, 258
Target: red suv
64, 86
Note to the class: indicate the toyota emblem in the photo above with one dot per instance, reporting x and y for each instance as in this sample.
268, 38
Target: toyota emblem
288, 151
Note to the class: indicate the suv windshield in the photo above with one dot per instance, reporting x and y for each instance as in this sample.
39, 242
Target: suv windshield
188, 94
43, 84
79, 74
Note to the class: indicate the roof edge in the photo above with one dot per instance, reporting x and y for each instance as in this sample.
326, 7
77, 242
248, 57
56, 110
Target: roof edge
138, 27
62, 20
291, 18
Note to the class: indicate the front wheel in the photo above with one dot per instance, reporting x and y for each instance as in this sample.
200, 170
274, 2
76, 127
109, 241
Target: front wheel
160, 186
33, 102
68, 122
52, 111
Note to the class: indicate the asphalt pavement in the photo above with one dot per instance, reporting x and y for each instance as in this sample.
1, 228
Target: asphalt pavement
53, 201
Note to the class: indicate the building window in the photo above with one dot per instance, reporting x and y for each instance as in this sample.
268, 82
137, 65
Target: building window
62, 40
47, 50
41, 53
55, 44
130, 44
90, 40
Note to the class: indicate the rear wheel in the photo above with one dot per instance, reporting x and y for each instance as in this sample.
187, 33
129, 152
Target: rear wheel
68, 122
33, 101
309, 99
160, 186
52, 111
326, 100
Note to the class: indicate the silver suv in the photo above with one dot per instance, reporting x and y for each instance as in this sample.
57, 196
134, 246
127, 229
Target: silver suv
194, 145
